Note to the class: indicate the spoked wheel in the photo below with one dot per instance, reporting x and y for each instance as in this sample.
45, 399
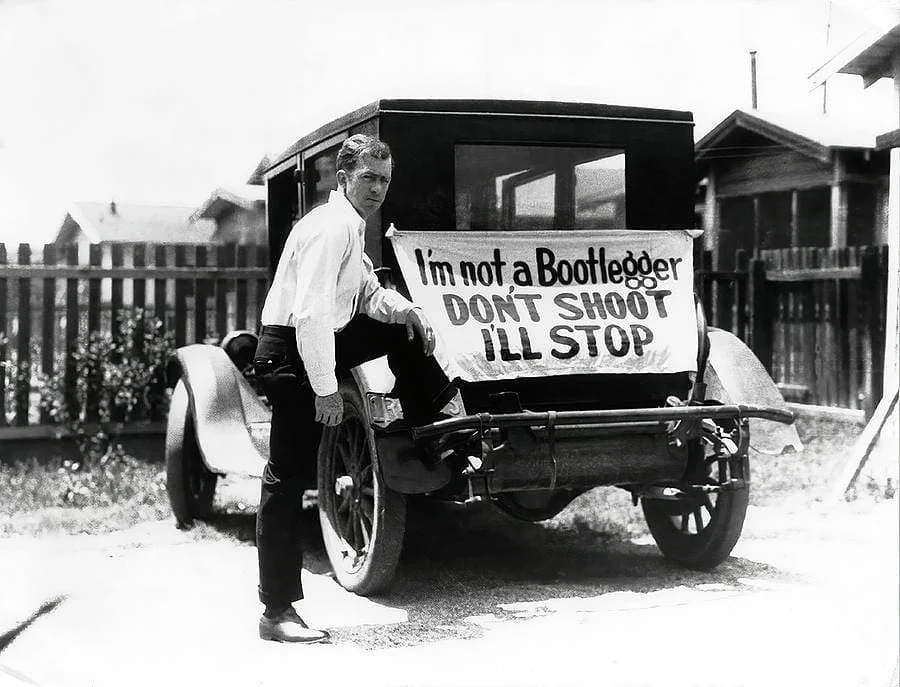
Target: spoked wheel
190, 484
699, 529
363, 522
536, 505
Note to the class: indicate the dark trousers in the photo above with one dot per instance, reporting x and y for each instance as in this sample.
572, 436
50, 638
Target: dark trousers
422, 387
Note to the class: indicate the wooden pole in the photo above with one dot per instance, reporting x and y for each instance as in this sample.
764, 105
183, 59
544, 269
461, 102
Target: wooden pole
838, 204
892, 325
762, 313
886, 413
862, 449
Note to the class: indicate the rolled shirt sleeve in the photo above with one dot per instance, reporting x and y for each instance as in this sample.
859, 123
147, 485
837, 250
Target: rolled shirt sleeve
319, 255
323, 279
384, 305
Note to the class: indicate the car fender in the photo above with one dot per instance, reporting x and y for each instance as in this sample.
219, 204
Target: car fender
374, 376
735, 375
398, 456
230, 420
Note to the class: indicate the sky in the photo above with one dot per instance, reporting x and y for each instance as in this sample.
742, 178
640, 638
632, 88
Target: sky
163, 101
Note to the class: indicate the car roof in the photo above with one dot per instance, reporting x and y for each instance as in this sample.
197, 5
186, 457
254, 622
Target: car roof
486, 108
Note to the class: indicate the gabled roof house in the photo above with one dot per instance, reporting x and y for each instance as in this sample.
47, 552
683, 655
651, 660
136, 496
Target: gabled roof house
127, 223
774, 181
238, 213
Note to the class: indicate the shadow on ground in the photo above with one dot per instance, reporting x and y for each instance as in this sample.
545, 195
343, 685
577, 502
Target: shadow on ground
459, 563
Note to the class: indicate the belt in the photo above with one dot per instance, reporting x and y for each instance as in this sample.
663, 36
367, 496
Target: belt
281, 331
278, 328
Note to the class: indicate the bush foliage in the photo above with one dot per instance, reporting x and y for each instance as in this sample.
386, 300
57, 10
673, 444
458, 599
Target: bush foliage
118, 379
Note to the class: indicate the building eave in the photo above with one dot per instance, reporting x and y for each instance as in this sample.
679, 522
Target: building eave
870, 56
86, 226
739, 119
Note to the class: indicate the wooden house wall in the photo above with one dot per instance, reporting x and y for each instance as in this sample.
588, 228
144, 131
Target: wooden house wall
761, 173
239, 225
770, 197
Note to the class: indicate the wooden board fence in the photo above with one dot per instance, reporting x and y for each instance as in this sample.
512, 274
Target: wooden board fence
815, 317
50, 299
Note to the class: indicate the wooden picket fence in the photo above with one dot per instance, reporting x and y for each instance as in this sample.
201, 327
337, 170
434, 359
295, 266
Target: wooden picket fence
50, 301
815, 317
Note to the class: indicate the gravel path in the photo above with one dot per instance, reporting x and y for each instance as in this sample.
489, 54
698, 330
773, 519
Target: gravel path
809, 597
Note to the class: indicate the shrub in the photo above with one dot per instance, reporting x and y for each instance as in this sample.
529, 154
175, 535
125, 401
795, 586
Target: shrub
118, 378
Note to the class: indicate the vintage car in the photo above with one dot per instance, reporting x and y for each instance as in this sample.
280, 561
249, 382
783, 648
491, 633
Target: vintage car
551, 246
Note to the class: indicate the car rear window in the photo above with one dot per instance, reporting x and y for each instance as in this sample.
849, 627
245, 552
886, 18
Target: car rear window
520, 187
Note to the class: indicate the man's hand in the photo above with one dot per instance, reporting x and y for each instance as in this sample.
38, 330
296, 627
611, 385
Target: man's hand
330, 409
417, 324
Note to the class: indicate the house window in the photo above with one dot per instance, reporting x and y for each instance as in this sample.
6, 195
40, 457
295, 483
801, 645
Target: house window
774, 220
814, 217
509, 188
862, 211
735, 229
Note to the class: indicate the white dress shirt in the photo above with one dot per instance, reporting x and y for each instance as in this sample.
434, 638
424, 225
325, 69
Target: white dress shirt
324, 278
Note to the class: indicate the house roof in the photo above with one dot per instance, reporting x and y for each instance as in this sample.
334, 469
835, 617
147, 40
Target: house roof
812, 135
247, 196
131, 223
257, 177
870, 56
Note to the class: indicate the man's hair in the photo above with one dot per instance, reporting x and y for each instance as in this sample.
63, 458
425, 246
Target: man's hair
358, 145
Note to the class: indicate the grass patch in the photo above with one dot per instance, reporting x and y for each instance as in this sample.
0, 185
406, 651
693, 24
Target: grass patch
66, 496
605, 512
802, 477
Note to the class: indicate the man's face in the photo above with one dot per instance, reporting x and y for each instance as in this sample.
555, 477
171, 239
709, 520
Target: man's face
367, 185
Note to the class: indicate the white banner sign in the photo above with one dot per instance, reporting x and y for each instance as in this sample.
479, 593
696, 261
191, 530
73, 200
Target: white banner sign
530, 304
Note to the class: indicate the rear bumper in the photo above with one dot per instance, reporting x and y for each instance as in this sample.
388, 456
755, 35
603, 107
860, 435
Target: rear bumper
562, 450
582, 449
631, 418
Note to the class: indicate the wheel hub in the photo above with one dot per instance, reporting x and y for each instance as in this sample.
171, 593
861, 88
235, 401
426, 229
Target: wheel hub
343, 486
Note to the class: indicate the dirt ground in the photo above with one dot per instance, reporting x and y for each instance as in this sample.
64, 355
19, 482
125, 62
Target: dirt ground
809, 597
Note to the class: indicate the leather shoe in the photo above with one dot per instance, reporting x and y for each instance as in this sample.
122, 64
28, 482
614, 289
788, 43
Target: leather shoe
287, 626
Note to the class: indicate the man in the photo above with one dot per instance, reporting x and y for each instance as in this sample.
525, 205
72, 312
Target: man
326, 310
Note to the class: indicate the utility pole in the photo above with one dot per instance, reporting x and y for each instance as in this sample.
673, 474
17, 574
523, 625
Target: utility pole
827, 41
753, 99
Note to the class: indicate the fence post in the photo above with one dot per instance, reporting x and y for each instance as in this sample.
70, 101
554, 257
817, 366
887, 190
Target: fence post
262, 285
761, 313
159, 288
224, 259
240, 298
705, 284
872, 289
116, 300
23, 342
139, 298
201, 293
95, 259
48, 321
72, 325
181, 295
4, 359
742, 267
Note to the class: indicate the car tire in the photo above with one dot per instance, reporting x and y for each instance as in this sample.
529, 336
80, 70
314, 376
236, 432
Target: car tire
363, 521
699, 531
191, 486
